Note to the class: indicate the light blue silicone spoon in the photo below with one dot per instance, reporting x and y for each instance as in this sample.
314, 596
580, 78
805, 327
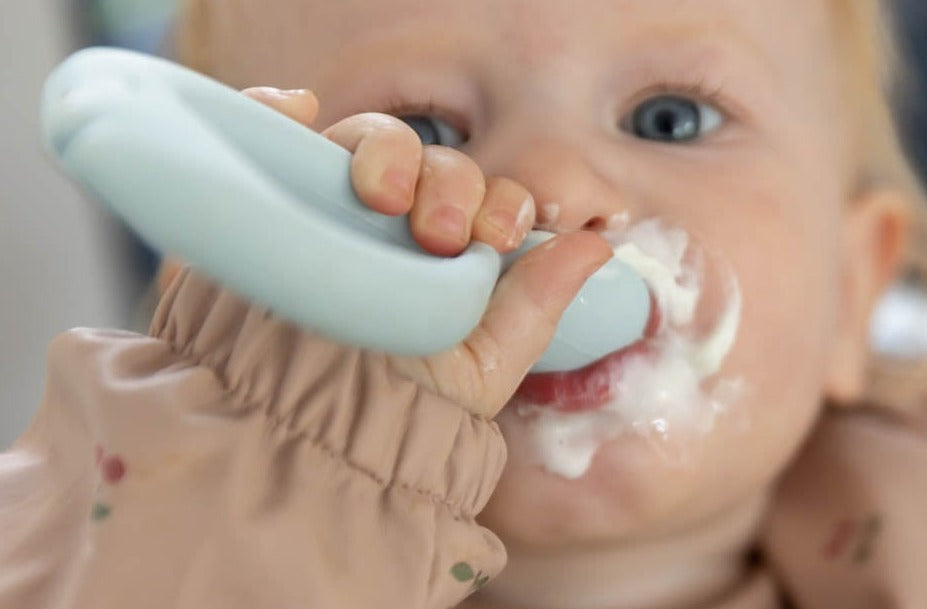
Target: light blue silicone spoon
265, 206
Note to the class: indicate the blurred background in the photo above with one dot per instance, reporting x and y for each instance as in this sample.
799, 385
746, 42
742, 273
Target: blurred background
64, 263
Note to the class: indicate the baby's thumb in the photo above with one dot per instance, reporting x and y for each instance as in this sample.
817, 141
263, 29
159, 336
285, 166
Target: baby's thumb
526, 307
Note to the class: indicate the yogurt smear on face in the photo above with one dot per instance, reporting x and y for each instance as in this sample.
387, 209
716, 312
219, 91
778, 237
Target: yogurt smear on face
660, 389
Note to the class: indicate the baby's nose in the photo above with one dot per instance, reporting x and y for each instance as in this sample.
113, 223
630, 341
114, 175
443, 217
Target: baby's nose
569, 191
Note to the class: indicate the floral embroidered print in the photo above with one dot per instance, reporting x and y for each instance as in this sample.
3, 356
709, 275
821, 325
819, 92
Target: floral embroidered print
112, 471
463, 573
853, 537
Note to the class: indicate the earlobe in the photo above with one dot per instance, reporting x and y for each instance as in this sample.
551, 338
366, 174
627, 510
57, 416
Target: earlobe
876, 226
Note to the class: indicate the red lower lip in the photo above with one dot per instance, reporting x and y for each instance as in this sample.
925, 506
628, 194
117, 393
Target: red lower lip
588, 388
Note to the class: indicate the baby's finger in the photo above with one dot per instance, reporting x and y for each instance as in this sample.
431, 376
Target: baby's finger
484, 371
525, 309
506, 216
300, 105
450, 191
386, 162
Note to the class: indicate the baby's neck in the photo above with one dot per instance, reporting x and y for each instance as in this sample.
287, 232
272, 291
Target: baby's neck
683, 572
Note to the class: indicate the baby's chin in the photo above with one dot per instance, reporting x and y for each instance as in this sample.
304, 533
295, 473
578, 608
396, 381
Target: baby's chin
635, 487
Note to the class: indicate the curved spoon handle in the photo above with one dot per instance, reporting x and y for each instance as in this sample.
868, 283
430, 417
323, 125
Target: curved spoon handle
265, 206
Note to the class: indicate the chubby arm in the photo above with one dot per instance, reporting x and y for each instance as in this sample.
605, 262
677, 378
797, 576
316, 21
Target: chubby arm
848, 524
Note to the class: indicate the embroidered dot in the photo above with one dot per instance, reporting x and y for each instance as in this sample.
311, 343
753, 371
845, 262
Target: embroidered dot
99, 512
843, 534
462, 572
113, 469
866, 546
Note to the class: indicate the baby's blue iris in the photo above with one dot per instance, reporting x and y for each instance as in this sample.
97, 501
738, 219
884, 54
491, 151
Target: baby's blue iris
671, 118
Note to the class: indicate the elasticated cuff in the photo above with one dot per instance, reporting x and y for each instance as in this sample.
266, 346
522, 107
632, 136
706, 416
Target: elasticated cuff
348, 403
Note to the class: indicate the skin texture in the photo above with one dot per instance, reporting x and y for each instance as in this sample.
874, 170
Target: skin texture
541, 89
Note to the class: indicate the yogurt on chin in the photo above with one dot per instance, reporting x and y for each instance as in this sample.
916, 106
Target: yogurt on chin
654, 388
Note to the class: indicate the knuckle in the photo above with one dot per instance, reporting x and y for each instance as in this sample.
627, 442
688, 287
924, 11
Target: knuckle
373, 120
372, 125
485, 352
455, 165
387, 126
507, 194
451, 157
390, 142
508, 186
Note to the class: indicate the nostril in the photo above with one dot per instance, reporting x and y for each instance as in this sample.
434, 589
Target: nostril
596, 224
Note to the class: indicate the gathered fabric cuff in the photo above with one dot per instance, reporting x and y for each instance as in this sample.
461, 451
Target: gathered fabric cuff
345, 401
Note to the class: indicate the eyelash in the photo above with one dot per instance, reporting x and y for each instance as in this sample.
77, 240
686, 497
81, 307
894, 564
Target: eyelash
698, 90
399, 105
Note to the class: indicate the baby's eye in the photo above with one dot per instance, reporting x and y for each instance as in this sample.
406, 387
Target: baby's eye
672, 118
434, 131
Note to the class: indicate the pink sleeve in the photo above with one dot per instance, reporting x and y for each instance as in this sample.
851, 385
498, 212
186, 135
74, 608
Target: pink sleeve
231, 461
849, 525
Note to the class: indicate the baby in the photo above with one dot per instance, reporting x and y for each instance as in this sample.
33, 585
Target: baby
744, 148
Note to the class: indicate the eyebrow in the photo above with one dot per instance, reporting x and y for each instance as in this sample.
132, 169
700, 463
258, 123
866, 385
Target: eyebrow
707, 35
719, 56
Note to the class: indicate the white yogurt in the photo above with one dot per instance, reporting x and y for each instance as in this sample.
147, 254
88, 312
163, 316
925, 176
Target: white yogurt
655, 395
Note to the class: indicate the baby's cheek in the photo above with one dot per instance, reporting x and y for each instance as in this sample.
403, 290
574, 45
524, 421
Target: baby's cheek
781, 356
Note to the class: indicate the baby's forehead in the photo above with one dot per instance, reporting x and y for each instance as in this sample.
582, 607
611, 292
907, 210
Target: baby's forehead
540, 24
291, 41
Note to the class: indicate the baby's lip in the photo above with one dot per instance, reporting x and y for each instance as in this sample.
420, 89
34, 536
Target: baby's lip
580, 390
592, 386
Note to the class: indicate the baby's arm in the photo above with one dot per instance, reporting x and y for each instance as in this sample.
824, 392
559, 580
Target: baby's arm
849, 523
232, 460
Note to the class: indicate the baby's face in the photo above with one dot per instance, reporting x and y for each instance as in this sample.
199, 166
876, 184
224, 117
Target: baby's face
720, 117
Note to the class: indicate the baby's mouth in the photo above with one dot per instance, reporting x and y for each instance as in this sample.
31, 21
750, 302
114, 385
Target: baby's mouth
695, 312
662, 387
593, 386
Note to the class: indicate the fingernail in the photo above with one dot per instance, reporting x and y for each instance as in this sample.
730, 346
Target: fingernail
449, 221
523, 221
503, 222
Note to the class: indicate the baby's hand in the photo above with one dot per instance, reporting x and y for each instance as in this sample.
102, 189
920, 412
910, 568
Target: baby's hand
450, 203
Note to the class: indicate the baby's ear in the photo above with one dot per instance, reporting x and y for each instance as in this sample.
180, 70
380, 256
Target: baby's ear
876, 225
